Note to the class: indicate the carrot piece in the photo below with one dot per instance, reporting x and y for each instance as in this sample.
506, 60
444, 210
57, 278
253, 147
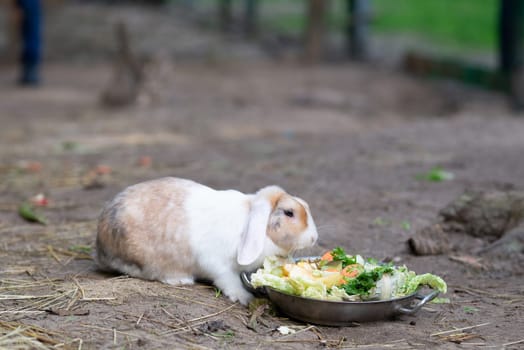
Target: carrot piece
332, 270
350, 271
327, 257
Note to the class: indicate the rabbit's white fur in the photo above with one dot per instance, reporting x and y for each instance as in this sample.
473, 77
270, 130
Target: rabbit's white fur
176, 230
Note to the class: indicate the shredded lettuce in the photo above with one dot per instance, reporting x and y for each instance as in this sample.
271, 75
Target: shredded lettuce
263, 278
426, 279
373, 281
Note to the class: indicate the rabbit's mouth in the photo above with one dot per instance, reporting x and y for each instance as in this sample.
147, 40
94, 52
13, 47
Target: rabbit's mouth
311, 242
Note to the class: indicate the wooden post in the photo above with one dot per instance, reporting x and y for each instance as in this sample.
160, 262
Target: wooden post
250, 17
12, 31
511, 48
316, 13
358, 28
128, 73
225, 15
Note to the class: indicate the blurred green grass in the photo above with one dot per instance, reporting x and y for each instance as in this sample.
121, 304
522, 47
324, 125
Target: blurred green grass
468, 24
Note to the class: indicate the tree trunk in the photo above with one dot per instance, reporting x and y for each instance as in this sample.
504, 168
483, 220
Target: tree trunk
358, 28
225, 15
315, 30
250, 17
511, 48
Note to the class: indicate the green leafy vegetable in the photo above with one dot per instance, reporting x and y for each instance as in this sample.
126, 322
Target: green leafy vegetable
27, 212
372, 261
436, 174
426, 279
339, 254
364, 282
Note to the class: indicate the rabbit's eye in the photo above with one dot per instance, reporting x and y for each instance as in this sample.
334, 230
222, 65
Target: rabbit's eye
289, 213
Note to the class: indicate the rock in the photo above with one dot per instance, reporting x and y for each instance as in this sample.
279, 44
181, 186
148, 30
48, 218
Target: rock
484, 214
510, 244
491, 217
430, 240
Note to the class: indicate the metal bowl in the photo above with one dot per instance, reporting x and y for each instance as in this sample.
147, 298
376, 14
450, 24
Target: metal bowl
340, 313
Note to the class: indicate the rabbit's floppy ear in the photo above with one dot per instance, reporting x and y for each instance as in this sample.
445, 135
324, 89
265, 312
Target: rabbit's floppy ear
252, 243
253, 239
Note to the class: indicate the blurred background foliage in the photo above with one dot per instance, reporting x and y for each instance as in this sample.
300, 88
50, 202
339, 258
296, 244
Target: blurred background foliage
469, 24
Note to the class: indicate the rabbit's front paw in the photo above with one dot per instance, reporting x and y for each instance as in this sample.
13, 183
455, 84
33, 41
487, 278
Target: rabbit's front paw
234, 290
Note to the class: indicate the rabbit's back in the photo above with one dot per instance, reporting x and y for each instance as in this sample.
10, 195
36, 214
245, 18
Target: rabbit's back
143, 231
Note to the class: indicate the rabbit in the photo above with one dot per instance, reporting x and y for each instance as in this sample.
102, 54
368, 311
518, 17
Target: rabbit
177, 231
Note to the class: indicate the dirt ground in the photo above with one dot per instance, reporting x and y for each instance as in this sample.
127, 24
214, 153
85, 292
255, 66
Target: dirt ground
348, 138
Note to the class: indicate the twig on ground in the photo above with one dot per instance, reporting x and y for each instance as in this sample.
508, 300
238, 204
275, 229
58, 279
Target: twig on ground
459, 338
113, 330
43, 336
211, 315
194, 301
82, 292
80, 342
395, 344
459, 329
73, 255
513, 343
15, 339
474, 291
140, 318
51, 251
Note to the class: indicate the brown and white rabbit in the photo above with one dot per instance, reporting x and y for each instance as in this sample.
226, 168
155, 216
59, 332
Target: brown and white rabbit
175, 231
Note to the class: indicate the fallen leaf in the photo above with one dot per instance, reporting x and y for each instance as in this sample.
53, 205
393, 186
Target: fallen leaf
40, 200
436, 175
84, 249
145, 161
468, 260
27, 212
103, 169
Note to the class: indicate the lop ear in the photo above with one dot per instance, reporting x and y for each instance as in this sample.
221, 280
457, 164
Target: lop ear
252, 243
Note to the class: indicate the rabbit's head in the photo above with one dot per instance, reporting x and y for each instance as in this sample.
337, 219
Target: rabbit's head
277, 216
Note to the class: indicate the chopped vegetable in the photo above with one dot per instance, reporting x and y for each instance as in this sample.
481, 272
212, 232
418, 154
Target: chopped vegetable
339, 254
362, 284
327, 257
436, 174
27, 212
84, 249
338, 276
40, 200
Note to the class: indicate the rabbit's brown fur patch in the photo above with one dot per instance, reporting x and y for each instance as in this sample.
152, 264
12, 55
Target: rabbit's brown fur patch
128, 230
